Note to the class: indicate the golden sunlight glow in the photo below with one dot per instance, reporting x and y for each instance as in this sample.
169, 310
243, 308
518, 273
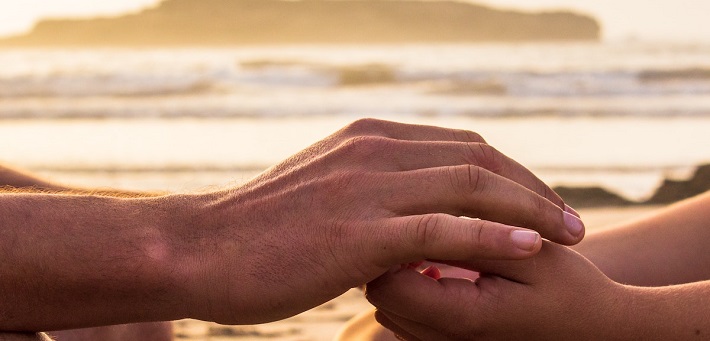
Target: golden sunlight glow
676, 20
20, 16
682, 20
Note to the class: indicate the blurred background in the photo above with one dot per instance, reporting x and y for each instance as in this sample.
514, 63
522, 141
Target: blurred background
609, 101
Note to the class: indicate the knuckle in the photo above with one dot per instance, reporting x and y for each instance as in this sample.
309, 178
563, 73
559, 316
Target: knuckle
486, 156
365, 145
365, 126
467, 136
479, 231
426, 229
470, 179
482, 234
475, 178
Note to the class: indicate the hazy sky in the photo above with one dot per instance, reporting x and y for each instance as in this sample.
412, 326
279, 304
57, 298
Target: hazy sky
644, 19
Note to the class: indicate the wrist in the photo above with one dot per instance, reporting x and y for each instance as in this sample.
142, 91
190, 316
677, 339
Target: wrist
163, 265
201, 241
606, 314
617, 313
634, 314
87, 253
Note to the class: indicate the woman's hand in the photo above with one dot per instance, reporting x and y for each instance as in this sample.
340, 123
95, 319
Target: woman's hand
557, 294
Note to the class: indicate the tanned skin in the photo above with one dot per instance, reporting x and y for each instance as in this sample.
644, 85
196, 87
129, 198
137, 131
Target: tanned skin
648, 279
337, 215
14, 180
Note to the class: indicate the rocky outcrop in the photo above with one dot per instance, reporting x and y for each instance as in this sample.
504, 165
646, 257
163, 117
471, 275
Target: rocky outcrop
674, 190
668, 192
233, 22
585, 197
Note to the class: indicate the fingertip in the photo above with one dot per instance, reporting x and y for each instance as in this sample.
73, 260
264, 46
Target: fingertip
575, 226
567, 229
570, 231
526, 240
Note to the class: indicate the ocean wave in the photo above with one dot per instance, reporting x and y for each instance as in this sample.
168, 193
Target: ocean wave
689, 74
472, 82
267, 75
558, 84
332, 75
176, 112
104, 85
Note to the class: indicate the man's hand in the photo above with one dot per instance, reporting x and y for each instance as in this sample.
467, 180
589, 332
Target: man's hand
337, 215
345, 210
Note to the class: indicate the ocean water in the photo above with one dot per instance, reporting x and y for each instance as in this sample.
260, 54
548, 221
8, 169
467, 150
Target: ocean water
620, 115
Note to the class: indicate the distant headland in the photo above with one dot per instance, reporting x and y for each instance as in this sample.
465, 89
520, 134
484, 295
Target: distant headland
247, 22
668, 192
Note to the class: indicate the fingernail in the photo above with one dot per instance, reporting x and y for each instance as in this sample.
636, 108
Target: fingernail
575, 226
432, 271
571, 210
524, 239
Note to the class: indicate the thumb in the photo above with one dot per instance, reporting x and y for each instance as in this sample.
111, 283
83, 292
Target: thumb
446, 237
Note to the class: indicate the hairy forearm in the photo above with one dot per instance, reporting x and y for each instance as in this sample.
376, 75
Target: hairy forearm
18, 181
79, 261
15, 178
669, 247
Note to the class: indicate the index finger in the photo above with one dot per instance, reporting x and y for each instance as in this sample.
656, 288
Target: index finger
412, 155
477, 193
477, 147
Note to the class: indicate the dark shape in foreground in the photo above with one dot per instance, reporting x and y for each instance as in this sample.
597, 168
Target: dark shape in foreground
670, 191
239, 22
